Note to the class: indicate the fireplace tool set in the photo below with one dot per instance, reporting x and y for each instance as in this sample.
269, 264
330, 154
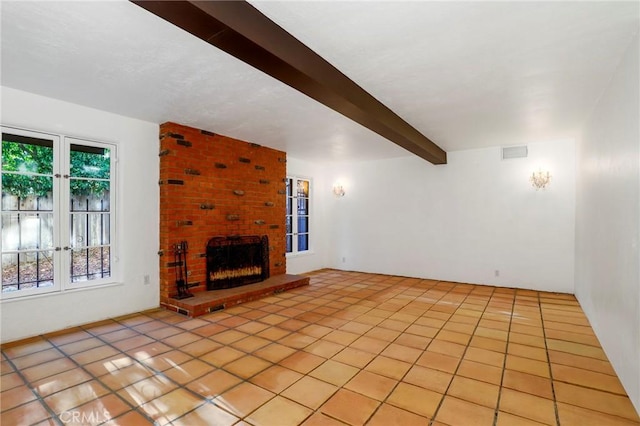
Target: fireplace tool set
180, 257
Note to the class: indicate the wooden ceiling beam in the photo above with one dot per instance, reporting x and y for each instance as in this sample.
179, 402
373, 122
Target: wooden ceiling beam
241, 30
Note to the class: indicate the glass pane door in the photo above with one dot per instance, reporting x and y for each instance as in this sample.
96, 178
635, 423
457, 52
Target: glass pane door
303, 215
297, 215
289, 216
89, 212
27, 222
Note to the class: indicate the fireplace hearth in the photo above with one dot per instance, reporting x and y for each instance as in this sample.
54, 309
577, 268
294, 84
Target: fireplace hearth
237, 260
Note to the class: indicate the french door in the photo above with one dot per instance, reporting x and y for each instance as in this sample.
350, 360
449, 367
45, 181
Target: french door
56, 212
297, 216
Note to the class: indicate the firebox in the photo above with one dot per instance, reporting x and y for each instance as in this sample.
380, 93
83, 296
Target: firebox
237, 260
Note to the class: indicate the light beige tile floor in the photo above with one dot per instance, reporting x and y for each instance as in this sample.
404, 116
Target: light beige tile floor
351, 348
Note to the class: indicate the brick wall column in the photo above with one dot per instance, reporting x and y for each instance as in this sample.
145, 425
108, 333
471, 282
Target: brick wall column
213, 185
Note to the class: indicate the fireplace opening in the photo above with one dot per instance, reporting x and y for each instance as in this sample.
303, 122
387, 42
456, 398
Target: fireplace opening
236, 261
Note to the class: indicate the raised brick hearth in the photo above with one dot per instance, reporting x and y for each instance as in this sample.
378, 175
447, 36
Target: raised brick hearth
215, 186
210, 301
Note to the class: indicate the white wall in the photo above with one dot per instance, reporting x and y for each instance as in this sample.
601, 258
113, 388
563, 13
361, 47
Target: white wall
138, 215
461, 221
608, 222
316, 257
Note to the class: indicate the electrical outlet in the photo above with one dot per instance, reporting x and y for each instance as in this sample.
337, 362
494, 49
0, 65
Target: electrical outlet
497, 272
146, 280
344, 259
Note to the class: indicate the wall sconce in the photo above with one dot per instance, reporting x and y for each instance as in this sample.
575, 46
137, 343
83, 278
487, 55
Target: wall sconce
338, 191
540, 179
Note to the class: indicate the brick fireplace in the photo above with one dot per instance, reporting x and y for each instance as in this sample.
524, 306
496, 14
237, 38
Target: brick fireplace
215, 186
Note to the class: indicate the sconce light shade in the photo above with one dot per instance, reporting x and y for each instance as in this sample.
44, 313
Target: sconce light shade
540, 179
338, 191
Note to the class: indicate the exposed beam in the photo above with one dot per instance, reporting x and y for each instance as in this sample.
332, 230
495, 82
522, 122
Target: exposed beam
241, 30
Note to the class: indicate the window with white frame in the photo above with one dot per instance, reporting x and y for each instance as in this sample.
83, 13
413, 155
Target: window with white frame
297, 220
57, 215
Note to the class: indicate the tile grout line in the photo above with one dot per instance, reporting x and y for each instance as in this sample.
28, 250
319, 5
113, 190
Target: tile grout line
96, 378
224, 345
142, 364
444, 294
27, 383
327, 359
376, 355
406, 294
546, 351
247, 380
413, 299
423, 351
161, 373
504, 363
453, 375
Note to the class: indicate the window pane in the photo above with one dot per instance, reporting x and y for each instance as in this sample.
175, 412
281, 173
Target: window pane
90, 264
27, 270
22, 231
89, 194
303, 188
26, 154
100, 267
303, 224
90, 162
289, 243
10, 232
78, 228
89, 221
34, 203
289, 188
9, 270
27, 188
45, 267
303, 206
89, 229
303, 242
297, 219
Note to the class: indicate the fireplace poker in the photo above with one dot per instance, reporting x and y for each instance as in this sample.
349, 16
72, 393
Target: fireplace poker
185, 289
180, 257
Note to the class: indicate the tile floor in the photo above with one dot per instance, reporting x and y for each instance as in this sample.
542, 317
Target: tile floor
351, 348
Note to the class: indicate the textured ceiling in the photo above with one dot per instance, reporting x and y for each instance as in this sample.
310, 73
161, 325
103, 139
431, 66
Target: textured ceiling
467, 75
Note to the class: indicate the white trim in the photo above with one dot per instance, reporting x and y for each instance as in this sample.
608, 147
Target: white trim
301, 253
40, 294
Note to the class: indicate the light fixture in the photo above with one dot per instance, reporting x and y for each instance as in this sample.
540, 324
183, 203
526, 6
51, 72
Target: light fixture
338, 190
540, 179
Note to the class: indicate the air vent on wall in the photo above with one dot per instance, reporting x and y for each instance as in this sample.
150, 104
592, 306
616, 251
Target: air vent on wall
511, 152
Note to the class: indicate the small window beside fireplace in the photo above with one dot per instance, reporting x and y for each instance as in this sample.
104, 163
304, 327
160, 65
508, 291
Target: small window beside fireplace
297, 219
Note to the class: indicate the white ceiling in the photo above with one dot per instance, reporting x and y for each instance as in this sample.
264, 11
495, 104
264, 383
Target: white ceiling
466, 74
